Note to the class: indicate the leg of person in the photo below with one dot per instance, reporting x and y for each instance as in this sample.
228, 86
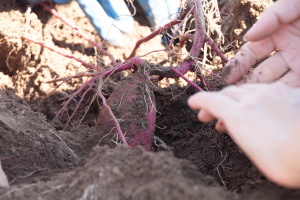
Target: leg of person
118, 11
173, 8
102, 22
56, 1
156, 12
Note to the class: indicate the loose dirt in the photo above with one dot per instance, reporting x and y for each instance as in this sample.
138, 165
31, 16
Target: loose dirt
42, 161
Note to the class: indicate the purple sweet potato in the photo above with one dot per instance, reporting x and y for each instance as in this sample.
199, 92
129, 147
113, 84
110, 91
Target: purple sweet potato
133, 104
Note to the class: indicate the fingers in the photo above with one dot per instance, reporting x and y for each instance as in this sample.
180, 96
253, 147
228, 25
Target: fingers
281, 12
216, 105
213, 105
220, 126
205, 116
291, 79
248, 55
235, 93
268, 71
274, 20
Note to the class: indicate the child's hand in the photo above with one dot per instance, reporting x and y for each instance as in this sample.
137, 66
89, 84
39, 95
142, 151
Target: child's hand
264, 120
277, 29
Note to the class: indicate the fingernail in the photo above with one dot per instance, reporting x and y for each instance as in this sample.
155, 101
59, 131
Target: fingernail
245, 38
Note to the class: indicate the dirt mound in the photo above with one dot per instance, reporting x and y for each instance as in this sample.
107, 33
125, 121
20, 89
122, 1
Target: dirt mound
36, 152
123, 173
31, 149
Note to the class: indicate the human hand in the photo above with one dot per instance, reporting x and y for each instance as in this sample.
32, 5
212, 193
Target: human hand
264, 120
277, 29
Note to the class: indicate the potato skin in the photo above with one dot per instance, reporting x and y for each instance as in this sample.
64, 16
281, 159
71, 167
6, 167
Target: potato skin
133, 104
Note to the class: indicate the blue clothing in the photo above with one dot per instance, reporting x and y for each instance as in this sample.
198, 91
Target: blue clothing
118, 11
160, 12
102, 17
111, 17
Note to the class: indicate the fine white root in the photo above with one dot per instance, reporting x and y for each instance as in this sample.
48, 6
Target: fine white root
223, 182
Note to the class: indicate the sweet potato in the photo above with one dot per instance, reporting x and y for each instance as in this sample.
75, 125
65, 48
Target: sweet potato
133, 104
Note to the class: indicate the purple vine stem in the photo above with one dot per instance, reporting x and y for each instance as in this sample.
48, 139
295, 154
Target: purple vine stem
73, 95
100, 49
199, 36
204, 80
186, 79
77, 106
212, 73
112, 115
118, 68
217, 50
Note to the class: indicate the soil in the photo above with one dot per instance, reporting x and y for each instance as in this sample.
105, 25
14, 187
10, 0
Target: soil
241, 15
44, 161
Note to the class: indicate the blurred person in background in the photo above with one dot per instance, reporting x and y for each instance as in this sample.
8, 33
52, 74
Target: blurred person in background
111, 18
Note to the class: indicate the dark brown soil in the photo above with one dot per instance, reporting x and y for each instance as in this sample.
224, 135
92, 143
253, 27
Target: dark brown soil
42, 161
240, 16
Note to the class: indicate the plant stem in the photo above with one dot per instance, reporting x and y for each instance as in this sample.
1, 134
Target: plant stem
65, 55
100, 49
112, 115
199, 35
186, 79
118, 68
155, 33
77, 106
206, 82
179, 27
77, 92
217, 50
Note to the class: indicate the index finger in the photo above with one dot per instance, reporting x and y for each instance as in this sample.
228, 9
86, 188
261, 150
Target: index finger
248, 55
215, 103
